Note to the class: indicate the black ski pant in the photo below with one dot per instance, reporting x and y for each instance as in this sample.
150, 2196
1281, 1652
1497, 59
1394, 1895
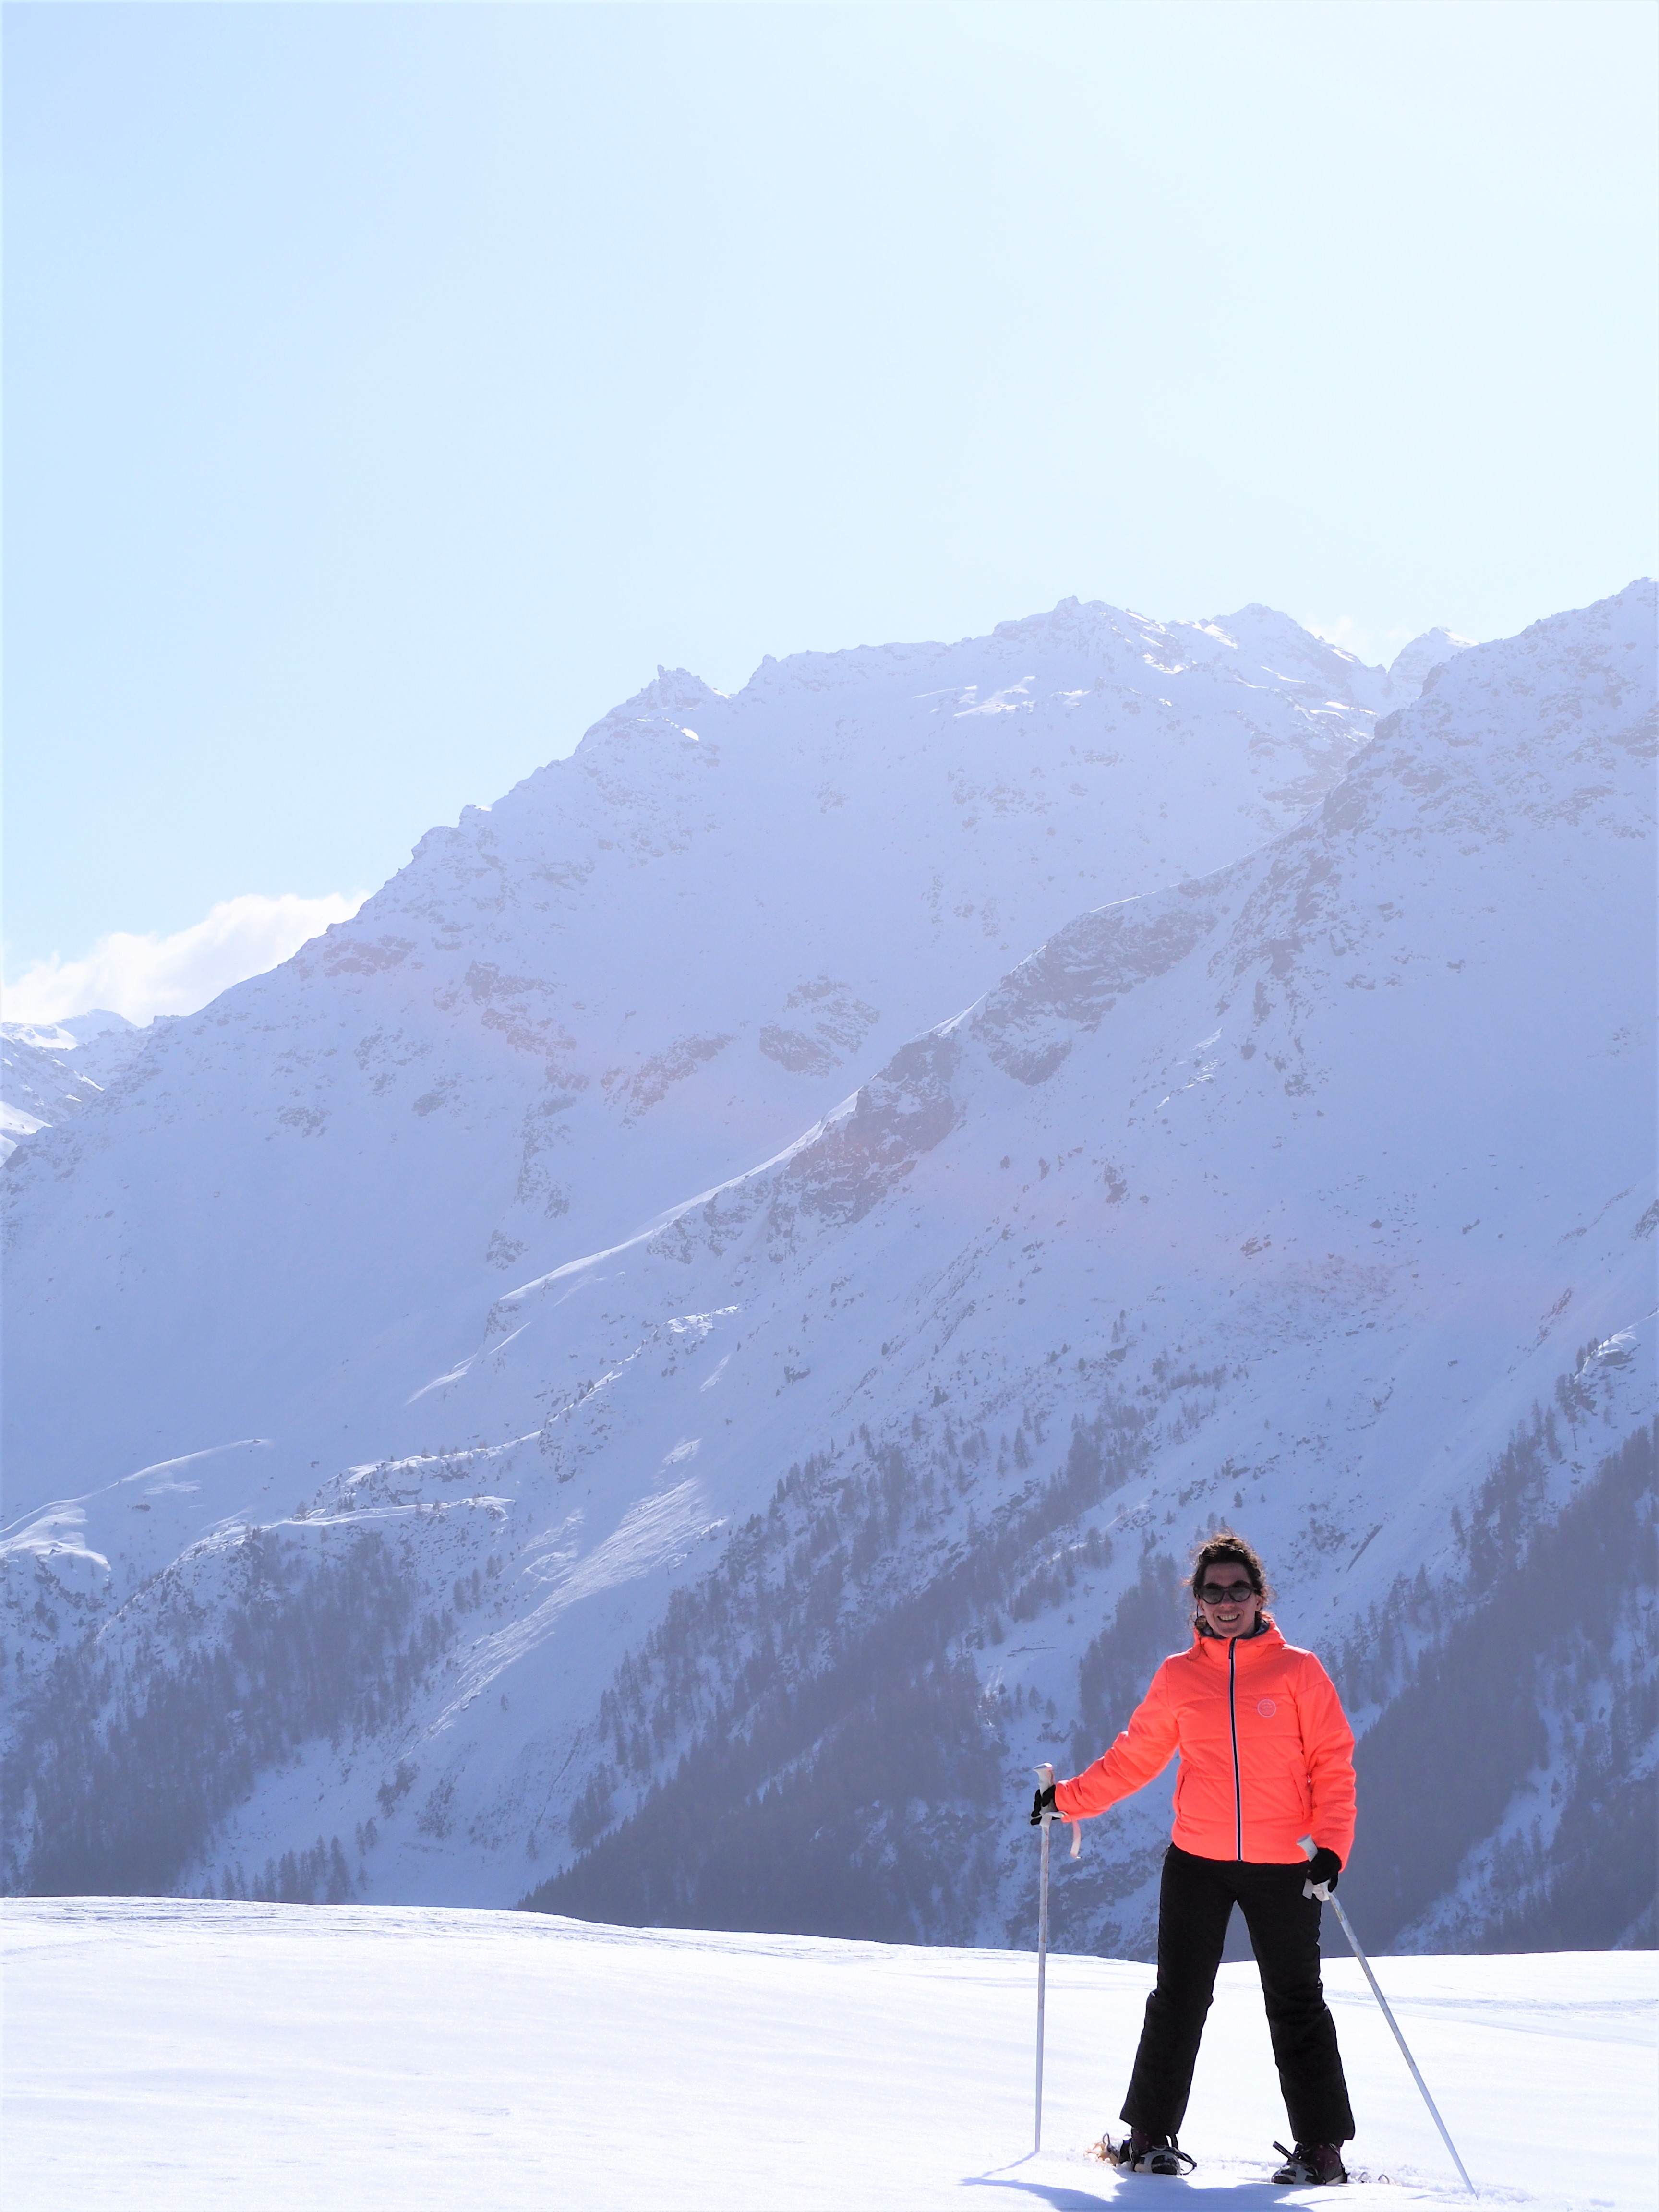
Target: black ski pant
1195, 1902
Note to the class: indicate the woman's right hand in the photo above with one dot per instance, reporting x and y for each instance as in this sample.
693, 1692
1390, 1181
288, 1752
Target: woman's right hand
1043, 1802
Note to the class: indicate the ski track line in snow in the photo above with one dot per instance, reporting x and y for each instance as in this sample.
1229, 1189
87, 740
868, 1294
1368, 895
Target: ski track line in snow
166, 2054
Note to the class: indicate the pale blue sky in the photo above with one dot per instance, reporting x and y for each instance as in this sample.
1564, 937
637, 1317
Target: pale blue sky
388, 390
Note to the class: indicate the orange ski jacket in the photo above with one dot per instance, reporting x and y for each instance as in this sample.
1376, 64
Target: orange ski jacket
1267, 1753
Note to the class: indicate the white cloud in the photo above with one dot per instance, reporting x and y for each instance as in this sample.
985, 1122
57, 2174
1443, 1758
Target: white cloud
142, 976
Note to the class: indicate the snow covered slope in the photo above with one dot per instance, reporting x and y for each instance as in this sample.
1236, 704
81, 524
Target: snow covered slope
648, 966
199, 2055
735, 1569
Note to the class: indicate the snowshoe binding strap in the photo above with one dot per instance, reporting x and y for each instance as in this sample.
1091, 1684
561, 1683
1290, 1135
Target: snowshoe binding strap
1140, 2153
1317, 2165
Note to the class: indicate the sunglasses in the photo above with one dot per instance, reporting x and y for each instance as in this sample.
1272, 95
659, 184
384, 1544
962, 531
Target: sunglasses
1225, 1593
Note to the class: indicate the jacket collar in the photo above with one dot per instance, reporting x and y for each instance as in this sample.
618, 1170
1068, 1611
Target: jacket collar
1266, 1633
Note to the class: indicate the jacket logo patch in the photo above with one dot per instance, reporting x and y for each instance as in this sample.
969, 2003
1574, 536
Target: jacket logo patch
1266, 1708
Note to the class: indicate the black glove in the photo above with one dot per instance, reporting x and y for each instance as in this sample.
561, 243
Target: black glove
1043, 1802
1324, 1867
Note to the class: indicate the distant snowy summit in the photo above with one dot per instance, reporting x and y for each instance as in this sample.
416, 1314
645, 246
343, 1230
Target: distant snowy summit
1410, 669
49, 1070
648, 965
1076, 646
661, 958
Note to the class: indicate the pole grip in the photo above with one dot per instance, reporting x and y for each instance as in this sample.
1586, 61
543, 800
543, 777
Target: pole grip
1322, 1890
1045, 1775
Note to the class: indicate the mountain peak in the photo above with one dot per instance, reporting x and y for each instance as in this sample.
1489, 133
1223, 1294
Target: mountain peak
1412, 664
670, 691
1279, 639
94, 1023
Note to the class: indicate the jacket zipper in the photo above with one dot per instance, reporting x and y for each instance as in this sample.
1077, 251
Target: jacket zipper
1232, 1718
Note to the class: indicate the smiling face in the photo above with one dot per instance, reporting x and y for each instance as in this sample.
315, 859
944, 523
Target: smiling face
1228, 1603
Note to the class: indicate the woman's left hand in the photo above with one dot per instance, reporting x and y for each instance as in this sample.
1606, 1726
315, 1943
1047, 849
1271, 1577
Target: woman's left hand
1323, 1868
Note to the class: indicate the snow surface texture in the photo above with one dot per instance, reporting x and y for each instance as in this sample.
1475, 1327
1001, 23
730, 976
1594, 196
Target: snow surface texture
200, 2056
453, 1464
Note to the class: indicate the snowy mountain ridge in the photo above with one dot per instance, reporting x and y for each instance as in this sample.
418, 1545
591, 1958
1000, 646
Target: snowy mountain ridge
694, 1570
1091, 643
40, 1083
636, 974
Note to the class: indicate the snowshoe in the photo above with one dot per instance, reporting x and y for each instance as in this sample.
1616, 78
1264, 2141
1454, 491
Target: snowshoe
1318, 2165
1139, 2153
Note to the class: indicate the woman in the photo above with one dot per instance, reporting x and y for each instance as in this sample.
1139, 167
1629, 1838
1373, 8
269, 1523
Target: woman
1266, 1758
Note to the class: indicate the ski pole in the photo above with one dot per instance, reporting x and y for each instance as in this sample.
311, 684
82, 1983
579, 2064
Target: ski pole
1327, 1897
1045, 1775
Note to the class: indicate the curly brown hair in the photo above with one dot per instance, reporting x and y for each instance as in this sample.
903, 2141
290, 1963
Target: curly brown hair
1225, 1546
